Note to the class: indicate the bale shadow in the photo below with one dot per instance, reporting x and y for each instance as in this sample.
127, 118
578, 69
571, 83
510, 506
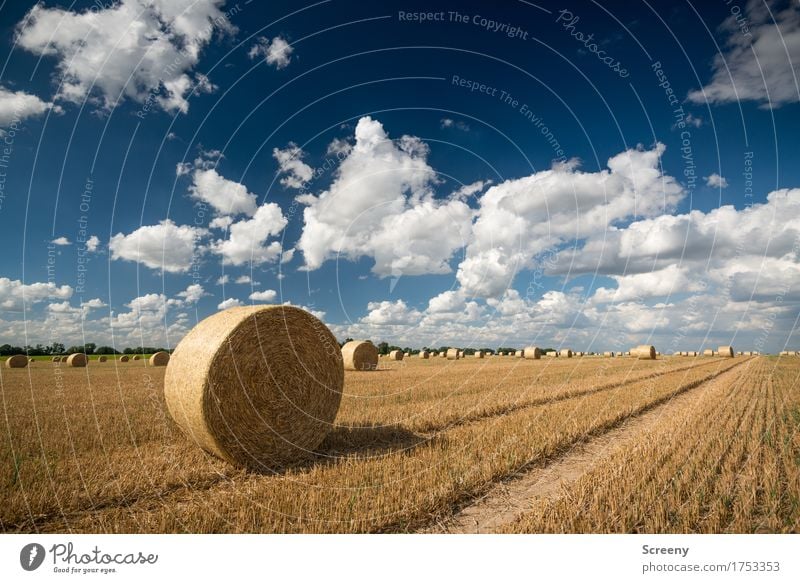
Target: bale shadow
346, 444
367, 441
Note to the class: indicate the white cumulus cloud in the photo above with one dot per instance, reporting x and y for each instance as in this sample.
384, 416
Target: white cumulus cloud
277, 52
164, 246
380, 205
136, 49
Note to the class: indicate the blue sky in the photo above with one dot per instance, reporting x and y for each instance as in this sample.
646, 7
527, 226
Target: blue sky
556, 173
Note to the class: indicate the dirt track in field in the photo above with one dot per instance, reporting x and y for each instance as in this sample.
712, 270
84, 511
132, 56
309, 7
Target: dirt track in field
512, 497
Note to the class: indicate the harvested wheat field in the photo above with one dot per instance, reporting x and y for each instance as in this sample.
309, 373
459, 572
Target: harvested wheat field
424, 445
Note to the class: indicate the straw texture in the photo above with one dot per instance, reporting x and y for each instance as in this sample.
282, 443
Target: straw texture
17, 361
159, 359
78, 359
258, 386
532, 352
644, 352
360, 355
726, 351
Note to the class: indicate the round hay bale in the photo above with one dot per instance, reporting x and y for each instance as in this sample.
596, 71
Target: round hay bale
708, 352
478, 354
566, 353
124, 358
101, 359
137, 357
77, 360
360, 355
551, 354
608, 354
17, 361
56, 359
532, 352
258, 386
424, 354
453, 354
64, 358
519, 354
644, 352
396, 355
726, 351
160, 358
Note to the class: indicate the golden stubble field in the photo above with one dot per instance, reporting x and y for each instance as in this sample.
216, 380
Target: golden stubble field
490, 445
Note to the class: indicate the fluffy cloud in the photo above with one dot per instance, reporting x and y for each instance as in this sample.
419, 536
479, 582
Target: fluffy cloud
760, 63
227, 197
671, 280
193, 293
15, 295
706, 242
519, 219
164, 246
380, 205
92, 243
716, 181
267, 295
296, 172
247, 239
229, 303
144, 50
61, 241
18, 106
277, 52
389, 313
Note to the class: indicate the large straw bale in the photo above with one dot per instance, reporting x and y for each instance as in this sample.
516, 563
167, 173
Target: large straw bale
258, 386
17, 361
77, 359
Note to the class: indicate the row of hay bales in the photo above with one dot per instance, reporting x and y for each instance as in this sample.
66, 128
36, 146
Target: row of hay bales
790, 353
79, 359
363, 355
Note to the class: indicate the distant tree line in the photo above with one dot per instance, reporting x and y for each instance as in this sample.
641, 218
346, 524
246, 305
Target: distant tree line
88, 348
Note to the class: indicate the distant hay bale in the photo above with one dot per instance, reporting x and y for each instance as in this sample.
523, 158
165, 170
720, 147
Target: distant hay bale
101, 359
708, 352
64, 358
137, 357
519, 353
453, 354
726, 351
360, 355
407, 354
258, 386
160, 358
532, 352
424, 354
551, 353
644, 352
77, 360
17, 361
396, 355
608, 354
56, 359
124, 358
478, 354
566, 353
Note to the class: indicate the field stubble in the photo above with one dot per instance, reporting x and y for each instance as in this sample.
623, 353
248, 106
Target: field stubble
92, 450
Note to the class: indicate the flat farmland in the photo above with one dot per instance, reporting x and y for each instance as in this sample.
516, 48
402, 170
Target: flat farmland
477, 445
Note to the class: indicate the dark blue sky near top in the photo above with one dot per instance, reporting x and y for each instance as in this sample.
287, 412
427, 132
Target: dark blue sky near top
353, 59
